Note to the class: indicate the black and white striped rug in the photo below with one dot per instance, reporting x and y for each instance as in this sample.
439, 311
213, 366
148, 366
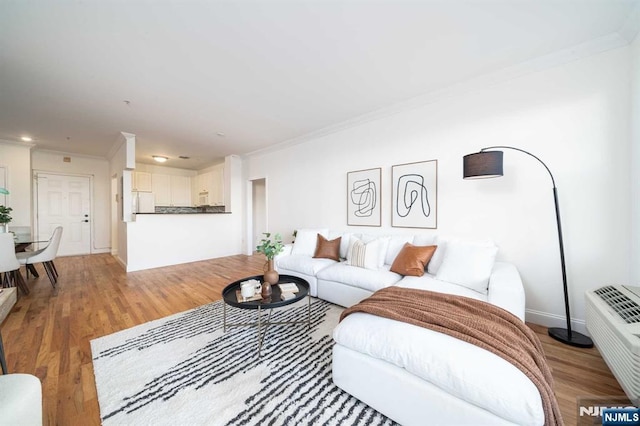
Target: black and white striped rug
184, 369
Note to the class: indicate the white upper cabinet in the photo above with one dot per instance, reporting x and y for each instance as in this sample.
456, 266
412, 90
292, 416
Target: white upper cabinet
216, 195
171, 190
208, 188
142, 182
180, 191
161, 185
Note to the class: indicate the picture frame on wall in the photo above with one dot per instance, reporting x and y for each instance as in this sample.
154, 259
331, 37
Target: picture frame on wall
363, 197
414, 201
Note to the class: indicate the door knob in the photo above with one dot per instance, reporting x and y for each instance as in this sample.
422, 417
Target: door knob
86, 220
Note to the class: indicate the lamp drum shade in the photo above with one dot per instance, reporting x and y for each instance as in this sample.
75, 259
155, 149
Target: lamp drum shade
483, 164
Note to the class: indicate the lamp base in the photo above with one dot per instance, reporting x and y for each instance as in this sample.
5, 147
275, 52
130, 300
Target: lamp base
577, 339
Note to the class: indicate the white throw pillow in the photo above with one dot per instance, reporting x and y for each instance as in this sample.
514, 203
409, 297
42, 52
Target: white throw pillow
306, 240
468, 265
344, 241
395, 246
441, 242
436, 259
364, 255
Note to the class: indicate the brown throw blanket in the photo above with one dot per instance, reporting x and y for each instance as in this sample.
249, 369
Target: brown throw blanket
480, 323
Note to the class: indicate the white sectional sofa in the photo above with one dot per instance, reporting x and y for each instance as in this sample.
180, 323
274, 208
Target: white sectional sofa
345, 285
411, 374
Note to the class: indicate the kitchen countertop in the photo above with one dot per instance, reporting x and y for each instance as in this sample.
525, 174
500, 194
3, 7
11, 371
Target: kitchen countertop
186, 210
186, 213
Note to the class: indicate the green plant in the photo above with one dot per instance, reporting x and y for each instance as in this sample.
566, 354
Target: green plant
270, 248
5, 217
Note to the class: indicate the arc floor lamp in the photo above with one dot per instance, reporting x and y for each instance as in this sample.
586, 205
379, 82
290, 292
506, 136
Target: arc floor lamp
488, 164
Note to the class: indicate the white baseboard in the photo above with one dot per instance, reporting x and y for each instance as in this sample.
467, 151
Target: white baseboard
552, 320
103, 250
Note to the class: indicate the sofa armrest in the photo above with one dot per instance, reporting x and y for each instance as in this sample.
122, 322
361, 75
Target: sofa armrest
506, 289
286, 251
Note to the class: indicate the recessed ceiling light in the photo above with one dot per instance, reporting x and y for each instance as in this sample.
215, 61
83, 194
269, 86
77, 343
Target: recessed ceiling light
160, 158
26, 139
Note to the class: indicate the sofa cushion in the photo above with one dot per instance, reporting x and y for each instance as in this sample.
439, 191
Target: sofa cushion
306, 240
424, 240
429, 282
412, 260
327, 249
344, 241
304, 264
396, 243
442, 243
367, 279
468, 264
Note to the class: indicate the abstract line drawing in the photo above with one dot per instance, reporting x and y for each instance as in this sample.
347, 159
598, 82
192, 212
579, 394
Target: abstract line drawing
414, 197
363, 197
411, 191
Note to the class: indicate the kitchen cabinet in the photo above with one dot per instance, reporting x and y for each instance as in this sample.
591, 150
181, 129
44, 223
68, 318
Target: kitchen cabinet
216, 194
180, 190
161, 187
208, 188
142, 182
171, 190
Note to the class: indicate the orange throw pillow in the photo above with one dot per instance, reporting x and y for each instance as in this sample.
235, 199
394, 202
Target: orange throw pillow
412, 260
328, 249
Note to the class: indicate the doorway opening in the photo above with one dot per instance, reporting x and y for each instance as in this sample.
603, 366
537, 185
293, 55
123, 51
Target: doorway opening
257, 208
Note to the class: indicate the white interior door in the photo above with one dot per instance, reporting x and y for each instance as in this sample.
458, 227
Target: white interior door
65, 201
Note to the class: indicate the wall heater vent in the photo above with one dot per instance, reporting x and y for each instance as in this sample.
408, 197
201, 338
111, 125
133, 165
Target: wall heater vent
613, 320
619, 302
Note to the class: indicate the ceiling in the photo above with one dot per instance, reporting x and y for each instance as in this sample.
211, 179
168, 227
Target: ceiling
206, 79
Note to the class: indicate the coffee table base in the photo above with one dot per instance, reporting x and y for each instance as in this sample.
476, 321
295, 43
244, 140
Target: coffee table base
264, 326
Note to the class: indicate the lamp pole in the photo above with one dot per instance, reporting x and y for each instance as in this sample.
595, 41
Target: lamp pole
567, 335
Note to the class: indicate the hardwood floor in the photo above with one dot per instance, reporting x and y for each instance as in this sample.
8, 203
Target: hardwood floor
48, 332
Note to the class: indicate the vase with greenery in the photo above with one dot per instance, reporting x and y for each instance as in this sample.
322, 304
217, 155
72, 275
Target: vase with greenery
5, 217
270, 247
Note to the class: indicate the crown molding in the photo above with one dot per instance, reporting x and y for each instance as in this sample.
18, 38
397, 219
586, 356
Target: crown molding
70, 154
29, 145
592, 47
120, 140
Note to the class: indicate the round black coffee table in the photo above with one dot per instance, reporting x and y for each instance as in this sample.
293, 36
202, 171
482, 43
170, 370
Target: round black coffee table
275, 301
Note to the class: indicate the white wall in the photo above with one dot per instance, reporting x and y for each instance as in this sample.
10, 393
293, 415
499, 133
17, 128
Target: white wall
16, 158
98, 170
575, 117
635, 162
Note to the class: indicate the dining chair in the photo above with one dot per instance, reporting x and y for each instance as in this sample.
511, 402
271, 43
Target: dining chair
44, 256
9, 265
